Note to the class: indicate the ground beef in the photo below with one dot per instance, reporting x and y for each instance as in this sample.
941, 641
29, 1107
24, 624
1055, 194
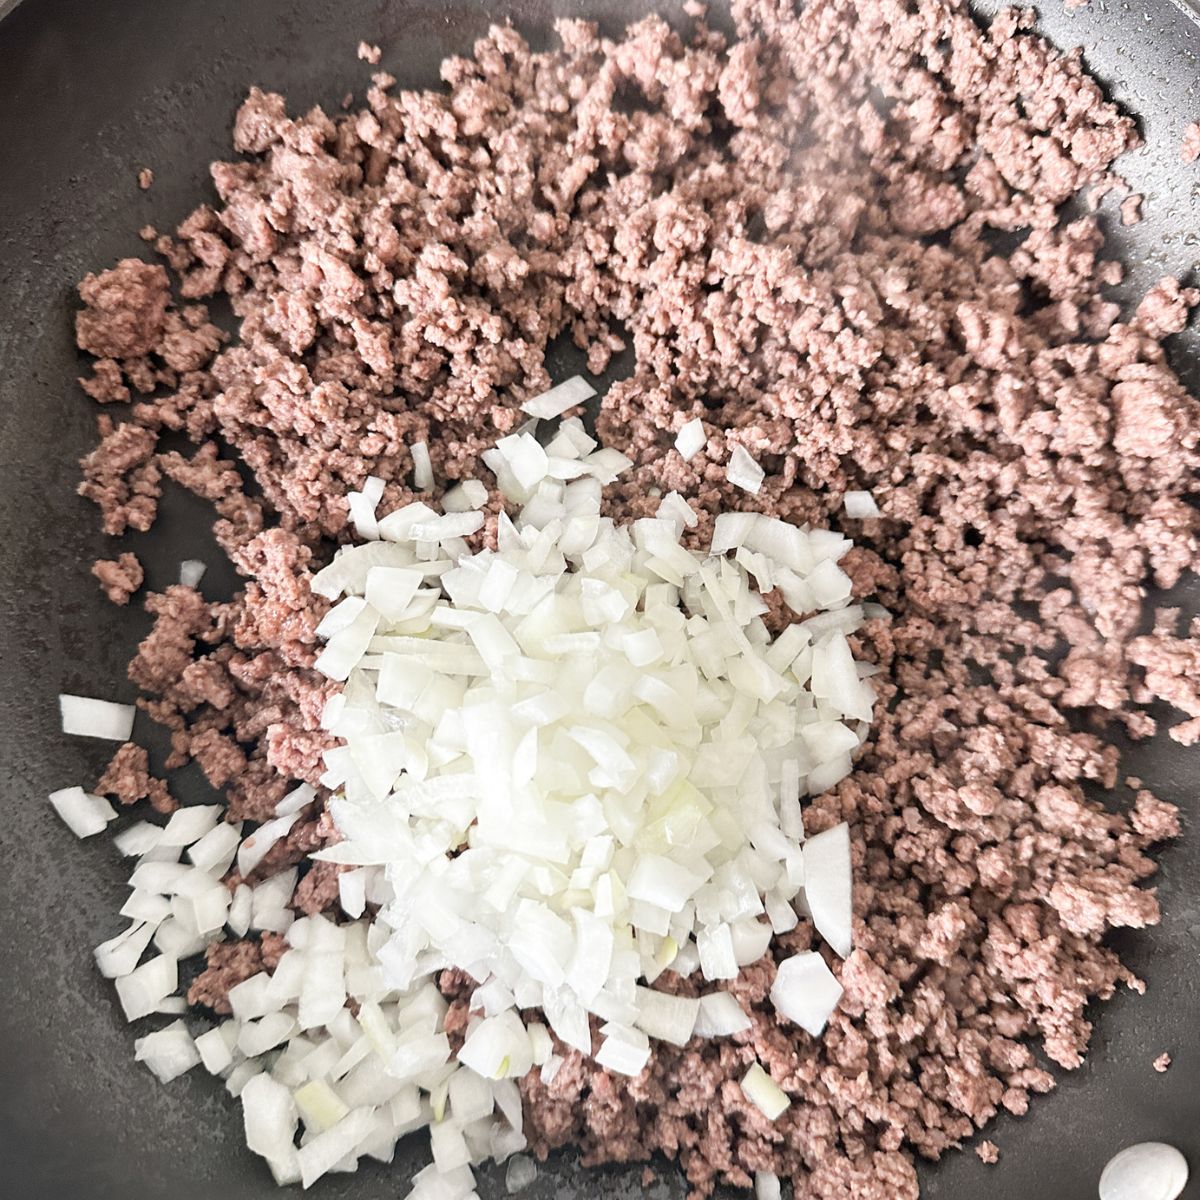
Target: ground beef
128, 780
224, 677
227, 965
318, 890
106, 383
1162, 1063
119, 577
145, 179
988, 1152
124, 310
1171, 671
120, 477
1155, 820
838, 306
1189, 149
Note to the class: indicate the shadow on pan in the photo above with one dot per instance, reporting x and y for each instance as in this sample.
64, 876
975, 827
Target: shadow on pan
91, 90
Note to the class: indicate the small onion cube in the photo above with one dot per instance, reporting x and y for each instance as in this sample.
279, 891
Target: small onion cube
415, 1056
177, 940
257, 1037
743, 471
390, 590
362, 515
165, 878
422, 472
210, 909
829, 584
766, 1186
717, 957
828, 884
662, 882
343, 651
84, 716
498, 1047
497, 584
254, 849
665, 1017
525, 457
464, 496
591, 959
188, 825
558, 399
323, 993
252, 997
720, 1015
691, 439
168, 1053
674, 507
137, 839
625, 1051
805, 991
119, 955
143, 989
780, 912
214, 852
270, 1118
352, 893
84, 814
146, 906
470, 1096
341, 615
191, 571
450, 1150
607, 465
860, 505
215, 1051
432, 1184
298, 798
447, 527
763, 1092
541, 1043
573, 431
240, 909
731, 531
319, 1105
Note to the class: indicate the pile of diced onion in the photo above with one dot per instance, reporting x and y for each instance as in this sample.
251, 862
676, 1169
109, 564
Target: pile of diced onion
568, 764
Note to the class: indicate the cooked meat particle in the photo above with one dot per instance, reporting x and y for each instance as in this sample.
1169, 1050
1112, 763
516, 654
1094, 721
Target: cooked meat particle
119, 577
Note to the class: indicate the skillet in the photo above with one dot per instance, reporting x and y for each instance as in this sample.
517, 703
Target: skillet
90, 91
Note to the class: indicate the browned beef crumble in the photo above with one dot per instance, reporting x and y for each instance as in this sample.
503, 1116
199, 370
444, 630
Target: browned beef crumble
1189, 149
229, 963
1131, 209
226, 965
127, 779
119, 577
792, 231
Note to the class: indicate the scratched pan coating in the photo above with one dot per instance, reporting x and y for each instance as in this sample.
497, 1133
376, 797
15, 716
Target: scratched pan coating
90, 90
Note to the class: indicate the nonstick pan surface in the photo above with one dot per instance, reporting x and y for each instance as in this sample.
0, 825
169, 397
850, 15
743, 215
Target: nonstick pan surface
90, 91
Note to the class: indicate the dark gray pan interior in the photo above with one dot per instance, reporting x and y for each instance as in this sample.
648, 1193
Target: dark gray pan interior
91, 90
